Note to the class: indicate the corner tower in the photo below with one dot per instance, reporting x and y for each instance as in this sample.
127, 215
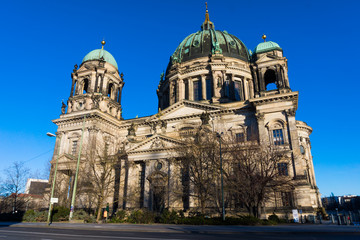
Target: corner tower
270, 69
97, 84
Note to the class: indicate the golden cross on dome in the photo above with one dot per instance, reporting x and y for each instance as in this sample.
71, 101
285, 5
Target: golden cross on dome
102, 43
206, 5
264, 37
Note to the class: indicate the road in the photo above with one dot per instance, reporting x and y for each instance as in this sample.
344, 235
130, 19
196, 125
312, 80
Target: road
174, 232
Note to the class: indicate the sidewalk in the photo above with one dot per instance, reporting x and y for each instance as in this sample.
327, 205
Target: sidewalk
172, 228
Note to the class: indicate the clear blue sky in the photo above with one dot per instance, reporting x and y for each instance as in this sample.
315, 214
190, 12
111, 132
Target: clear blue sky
42, 40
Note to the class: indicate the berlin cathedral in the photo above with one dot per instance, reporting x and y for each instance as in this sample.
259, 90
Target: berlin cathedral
243, 93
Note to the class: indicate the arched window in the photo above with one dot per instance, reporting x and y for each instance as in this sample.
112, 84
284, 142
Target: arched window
85, 86
110, 90
277, 132
270, 80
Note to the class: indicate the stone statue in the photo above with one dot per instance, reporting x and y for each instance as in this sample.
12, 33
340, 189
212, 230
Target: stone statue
219, 82
204, 118
63, 106
131, 130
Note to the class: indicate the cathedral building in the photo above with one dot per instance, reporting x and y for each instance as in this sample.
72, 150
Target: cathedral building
244, 93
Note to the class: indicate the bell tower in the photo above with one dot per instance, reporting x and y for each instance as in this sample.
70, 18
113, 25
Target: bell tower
97, 84
270, 69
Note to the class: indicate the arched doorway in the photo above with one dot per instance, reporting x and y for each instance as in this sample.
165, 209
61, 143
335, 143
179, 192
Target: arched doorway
158, 184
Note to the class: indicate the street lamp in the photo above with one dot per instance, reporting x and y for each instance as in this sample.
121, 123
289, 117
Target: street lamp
53, 184
76, 174
222, 181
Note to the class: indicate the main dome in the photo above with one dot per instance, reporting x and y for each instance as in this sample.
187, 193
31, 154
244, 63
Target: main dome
210, 41
101, 54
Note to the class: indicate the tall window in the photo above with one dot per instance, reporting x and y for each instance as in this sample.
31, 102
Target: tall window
286, 198
283, 169
85, 86
187, 90
110, 90
227, 88
237, 88
208, 89
74, 147
278, 137
239, 137
197, 91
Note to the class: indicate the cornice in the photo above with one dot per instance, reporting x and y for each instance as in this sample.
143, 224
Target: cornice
292, 96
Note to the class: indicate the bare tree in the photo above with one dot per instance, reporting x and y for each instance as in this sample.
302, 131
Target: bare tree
199, 164
14, 184
98, 175
253, 171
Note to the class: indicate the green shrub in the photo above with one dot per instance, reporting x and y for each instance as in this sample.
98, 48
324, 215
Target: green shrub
90, 219
169, 217
268, 222
80, 215
119, 217
274, 218
29, 216
35, 216
249, 220
140, 216
197, 220
60, 214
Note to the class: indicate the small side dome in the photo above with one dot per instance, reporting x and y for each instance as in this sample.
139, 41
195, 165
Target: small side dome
267, 47
100, 54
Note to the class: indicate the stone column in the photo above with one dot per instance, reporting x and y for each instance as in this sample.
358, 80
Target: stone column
263, 136
246, 89
279, 83
203, 87
101, 83
92, 86
147, 186
74, 79
191, 89
256, 82
294, 143
251, 88
171, 92
181, 89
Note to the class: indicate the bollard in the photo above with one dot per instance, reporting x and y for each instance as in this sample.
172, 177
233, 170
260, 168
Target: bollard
332, 219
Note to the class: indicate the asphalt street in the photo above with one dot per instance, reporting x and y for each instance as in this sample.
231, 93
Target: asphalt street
39, 231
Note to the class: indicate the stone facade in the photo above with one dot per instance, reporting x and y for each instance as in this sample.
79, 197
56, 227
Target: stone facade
227, 82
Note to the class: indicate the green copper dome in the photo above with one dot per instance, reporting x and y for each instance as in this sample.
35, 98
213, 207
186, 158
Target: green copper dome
266, 47
99, 54
210, 41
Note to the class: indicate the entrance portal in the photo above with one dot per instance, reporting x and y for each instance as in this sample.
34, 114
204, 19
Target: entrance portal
158, 183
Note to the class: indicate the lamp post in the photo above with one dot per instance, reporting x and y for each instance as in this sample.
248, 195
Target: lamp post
53, 184
222, 181
76, 174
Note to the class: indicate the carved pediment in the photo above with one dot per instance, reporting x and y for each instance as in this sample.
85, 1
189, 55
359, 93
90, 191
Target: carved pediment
185, 108
155, 143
